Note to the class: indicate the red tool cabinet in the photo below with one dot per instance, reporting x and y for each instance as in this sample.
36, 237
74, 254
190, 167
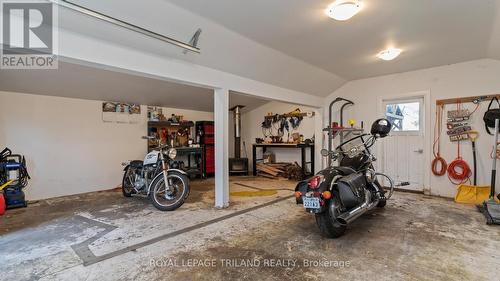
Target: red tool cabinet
205, 134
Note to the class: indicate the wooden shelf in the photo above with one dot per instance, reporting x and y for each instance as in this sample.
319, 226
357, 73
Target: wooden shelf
466, 99
304, 114
159, 124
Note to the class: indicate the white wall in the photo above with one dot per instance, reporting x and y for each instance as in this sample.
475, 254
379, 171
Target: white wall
2, 121
480, 77
190, 115
69, 149
251, 129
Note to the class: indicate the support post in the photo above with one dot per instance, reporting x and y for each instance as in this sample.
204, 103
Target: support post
221, 118
319, 142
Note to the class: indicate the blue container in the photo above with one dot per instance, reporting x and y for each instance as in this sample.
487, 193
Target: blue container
14, 198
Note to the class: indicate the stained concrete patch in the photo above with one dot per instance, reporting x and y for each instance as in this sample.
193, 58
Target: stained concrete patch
34, 252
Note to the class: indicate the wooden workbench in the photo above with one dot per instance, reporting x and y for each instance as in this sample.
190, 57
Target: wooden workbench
302, 146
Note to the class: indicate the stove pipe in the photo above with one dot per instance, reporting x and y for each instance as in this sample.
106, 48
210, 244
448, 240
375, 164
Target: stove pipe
237, 130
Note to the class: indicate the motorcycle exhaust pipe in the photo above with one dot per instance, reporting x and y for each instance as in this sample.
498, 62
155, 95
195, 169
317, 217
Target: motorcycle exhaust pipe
349, 217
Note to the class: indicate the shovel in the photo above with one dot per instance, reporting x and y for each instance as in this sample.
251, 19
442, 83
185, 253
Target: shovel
473, 194
473, 136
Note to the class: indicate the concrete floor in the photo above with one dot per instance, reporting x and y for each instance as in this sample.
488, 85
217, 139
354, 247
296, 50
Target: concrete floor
103, 236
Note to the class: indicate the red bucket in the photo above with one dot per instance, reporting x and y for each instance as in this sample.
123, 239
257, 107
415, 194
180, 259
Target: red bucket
2, 204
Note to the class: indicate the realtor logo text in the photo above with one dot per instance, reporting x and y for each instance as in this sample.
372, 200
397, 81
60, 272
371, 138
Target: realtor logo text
28, 35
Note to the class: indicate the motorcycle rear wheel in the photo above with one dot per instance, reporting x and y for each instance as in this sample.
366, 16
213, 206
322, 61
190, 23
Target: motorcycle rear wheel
328, 225
179, 189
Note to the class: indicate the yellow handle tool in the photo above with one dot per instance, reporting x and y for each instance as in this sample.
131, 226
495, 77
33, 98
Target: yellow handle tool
6, 184
351, 122
473, 135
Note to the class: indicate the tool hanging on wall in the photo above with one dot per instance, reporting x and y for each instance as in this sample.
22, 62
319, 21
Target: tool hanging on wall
490, 115
295, 122
275, 125
267, 126
473, 135
492, 153
436, 148
458, 170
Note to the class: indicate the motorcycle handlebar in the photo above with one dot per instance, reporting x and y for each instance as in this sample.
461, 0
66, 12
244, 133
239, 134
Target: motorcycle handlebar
357, 137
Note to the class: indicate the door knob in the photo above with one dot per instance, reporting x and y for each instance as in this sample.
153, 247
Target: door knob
419, 151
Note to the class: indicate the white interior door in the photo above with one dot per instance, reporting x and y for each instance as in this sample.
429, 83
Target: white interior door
403, 149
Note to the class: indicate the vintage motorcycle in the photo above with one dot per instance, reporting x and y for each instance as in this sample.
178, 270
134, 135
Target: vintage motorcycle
338, 195
167, 188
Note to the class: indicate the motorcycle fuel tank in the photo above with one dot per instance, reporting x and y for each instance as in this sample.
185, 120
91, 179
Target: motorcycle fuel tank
151, 158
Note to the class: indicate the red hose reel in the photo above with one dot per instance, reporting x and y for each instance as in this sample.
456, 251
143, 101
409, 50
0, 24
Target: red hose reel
458, 170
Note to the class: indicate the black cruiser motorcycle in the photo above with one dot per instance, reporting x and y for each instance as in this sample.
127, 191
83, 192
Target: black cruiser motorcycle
338, 195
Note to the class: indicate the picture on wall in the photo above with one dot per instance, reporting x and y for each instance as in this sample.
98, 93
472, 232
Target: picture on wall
154, 113
118, 112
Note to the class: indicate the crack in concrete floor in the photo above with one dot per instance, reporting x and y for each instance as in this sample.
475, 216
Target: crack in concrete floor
83, 251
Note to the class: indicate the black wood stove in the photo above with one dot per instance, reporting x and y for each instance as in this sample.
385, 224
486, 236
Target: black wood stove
237, 165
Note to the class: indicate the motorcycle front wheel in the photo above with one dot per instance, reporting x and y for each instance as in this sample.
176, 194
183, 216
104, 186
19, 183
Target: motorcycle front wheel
171, 198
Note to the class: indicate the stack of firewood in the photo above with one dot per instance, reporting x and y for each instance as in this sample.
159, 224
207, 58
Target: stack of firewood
291, 171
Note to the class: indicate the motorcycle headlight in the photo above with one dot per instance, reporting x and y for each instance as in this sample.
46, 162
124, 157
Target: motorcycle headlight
172, 153
370, 176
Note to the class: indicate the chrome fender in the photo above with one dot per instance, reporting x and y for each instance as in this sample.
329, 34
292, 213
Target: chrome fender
169, 171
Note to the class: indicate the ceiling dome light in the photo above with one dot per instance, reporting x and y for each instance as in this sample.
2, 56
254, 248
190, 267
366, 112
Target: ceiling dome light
343, 9
389, 54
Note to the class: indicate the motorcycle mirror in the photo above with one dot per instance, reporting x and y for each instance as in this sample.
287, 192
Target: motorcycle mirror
325, 152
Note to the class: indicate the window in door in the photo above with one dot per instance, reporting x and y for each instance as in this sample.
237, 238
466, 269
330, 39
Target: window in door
404, 116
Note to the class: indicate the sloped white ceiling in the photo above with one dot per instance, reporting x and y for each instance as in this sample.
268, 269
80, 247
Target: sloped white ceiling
431, 32
293, 44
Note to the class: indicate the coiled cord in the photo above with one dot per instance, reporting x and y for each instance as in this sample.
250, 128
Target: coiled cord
459, 171
438, 160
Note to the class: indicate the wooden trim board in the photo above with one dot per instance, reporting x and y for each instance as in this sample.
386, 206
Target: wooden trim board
466, 99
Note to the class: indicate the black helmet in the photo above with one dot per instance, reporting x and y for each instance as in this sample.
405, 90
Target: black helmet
381, 128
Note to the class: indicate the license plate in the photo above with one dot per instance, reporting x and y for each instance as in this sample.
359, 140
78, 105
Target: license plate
310, 203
